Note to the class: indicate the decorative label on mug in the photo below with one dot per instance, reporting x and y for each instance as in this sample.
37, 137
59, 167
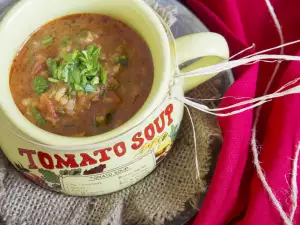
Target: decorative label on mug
105, 170
110, 181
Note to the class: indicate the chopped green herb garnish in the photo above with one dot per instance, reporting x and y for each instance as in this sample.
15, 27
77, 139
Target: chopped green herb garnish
38, 117
66, 41
103, 76
68, 58
84, 81
89, 88
81, 69
78, 88
40, 84
75, 73
47, 40
52, 80
52, 66
123, 60
95, 81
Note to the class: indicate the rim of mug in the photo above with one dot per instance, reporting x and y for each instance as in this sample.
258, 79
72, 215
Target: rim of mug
44, 137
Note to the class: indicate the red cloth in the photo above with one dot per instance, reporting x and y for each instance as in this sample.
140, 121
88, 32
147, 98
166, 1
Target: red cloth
236, 195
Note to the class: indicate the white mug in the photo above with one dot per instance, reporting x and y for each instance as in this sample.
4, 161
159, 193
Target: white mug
126, 154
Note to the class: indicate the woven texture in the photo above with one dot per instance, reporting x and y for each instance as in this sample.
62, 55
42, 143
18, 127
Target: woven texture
157, 199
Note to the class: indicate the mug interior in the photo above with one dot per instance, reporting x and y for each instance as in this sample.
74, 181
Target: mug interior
28, 16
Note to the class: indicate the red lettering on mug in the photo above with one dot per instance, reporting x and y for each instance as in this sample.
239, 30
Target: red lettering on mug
70, 162
157, 121
46, 160
87, 160
168, 112
120, 149
150, 132
137, 140
103, 153
29, 154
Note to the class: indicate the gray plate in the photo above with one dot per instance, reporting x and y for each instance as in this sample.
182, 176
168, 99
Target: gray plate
187, 23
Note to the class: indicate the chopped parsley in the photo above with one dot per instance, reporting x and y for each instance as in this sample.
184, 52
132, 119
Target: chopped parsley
38, 117
123, 60
89, 88
52, 80
103, 75
40, 84
47, 40
66, 41
80, 69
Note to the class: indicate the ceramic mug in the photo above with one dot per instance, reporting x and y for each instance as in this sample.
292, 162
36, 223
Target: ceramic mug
117, 159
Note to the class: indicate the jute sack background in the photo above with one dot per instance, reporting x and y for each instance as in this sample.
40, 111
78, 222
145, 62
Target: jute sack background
159, 198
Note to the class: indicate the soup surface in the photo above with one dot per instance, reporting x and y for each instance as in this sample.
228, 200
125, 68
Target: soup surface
82, 75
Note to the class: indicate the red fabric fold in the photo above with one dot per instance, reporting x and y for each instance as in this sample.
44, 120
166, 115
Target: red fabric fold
236, 195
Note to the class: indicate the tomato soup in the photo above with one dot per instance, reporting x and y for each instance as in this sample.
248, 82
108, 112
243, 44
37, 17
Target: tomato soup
82, 75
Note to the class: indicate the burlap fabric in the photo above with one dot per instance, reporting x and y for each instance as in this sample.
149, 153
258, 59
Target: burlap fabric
157, 199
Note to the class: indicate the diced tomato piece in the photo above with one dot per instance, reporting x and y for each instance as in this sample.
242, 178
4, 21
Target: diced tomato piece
47, 108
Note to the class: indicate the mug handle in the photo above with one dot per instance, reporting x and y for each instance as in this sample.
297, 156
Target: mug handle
211, 46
